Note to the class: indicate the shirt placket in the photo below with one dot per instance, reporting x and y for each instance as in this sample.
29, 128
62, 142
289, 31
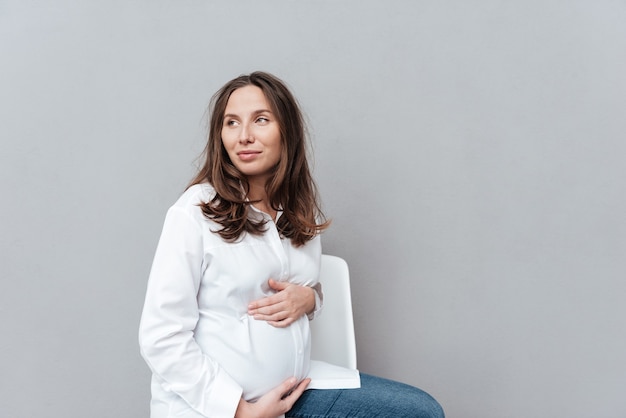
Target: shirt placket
280, 253
276, 243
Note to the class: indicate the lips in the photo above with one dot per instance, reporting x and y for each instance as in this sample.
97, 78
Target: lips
248, 155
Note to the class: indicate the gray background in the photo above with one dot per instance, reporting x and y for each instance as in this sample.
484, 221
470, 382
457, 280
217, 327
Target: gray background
471, 154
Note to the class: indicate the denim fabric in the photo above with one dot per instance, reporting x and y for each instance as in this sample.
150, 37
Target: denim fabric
377, 397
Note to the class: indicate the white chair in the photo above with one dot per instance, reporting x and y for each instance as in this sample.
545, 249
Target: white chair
332, 332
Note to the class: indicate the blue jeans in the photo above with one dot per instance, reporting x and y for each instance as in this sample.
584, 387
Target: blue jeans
377, 397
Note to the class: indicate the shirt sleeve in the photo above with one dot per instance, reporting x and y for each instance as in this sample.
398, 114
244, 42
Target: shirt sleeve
170, 314
319, 301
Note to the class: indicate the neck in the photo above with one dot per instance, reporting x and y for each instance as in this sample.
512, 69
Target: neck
258, 194
257, 190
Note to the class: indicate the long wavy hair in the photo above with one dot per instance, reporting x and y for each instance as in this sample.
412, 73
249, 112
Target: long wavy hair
291, 187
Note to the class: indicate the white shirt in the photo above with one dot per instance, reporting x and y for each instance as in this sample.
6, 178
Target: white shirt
204, 350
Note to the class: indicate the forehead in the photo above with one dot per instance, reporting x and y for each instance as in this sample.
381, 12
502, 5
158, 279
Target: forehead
247, 99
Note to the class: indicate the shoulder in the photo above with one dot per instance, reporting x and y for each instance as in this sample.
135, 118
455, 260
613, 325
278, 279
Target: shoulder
195, 195
192, 198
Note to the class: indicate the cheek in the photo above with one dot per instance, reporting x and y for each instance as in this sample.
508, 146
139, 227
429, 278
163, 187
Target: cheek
227, 141
277, 142
227, 152
278, 153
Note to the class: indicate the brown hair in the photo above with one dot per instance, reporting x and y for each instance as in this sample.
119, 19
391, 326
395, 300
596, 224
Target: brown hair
291, 188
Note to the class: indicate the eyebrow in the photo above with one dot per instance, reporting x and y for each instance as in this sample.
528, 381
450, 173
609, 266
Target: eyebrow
256, 112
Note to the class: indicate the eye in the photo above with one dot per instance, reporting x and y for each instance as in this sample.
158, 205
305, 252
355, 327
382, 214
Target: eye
262, 120
230, 122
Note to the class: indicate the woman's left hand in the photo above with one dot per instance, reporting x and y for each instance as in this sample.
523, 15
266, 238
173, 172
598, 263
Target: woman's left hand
290, 302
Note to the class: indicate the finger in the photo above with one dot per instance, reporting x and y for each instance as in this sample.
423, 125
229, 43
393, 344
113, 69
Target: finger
261, 303
269, 305
285, 388
271, 319
303, 385
292, 396
267, 312
281, 324
278, 285
274, 312
276, 317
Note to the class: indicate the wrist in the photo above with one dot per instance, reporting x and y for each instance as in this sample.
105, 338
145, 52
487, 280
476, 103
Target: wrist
313, 305
243, 409
312, 301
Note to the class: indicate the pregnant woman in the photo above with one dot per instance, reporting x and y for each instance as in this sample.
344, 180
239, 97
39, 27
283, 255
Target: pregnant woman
234, 281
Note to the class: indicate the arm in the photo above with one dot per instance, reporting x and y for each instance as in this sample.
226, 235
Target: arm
169, 318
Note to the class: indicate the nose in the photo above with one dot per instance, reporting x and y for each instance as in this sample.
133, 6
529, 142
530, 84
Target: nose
245, 134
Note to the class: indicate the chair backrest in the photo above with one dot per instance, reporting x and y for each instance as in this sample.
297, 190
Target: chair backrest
333, 331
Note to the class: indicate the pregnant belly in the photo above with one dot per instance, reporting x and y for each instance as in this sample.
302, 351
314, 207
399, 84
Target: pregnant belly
255, 354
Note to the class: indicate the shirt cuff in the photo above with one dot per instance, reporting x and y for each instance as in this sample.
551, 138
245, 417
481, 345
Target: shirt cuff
319, 301
223, 397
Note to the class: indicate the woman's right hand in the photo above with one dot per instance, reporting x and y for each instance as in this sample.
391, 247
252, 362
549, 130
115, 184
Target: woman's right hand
275, 402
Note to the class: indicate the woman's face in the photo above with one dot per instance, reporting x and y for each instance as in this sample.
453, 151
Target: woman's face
251, 133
